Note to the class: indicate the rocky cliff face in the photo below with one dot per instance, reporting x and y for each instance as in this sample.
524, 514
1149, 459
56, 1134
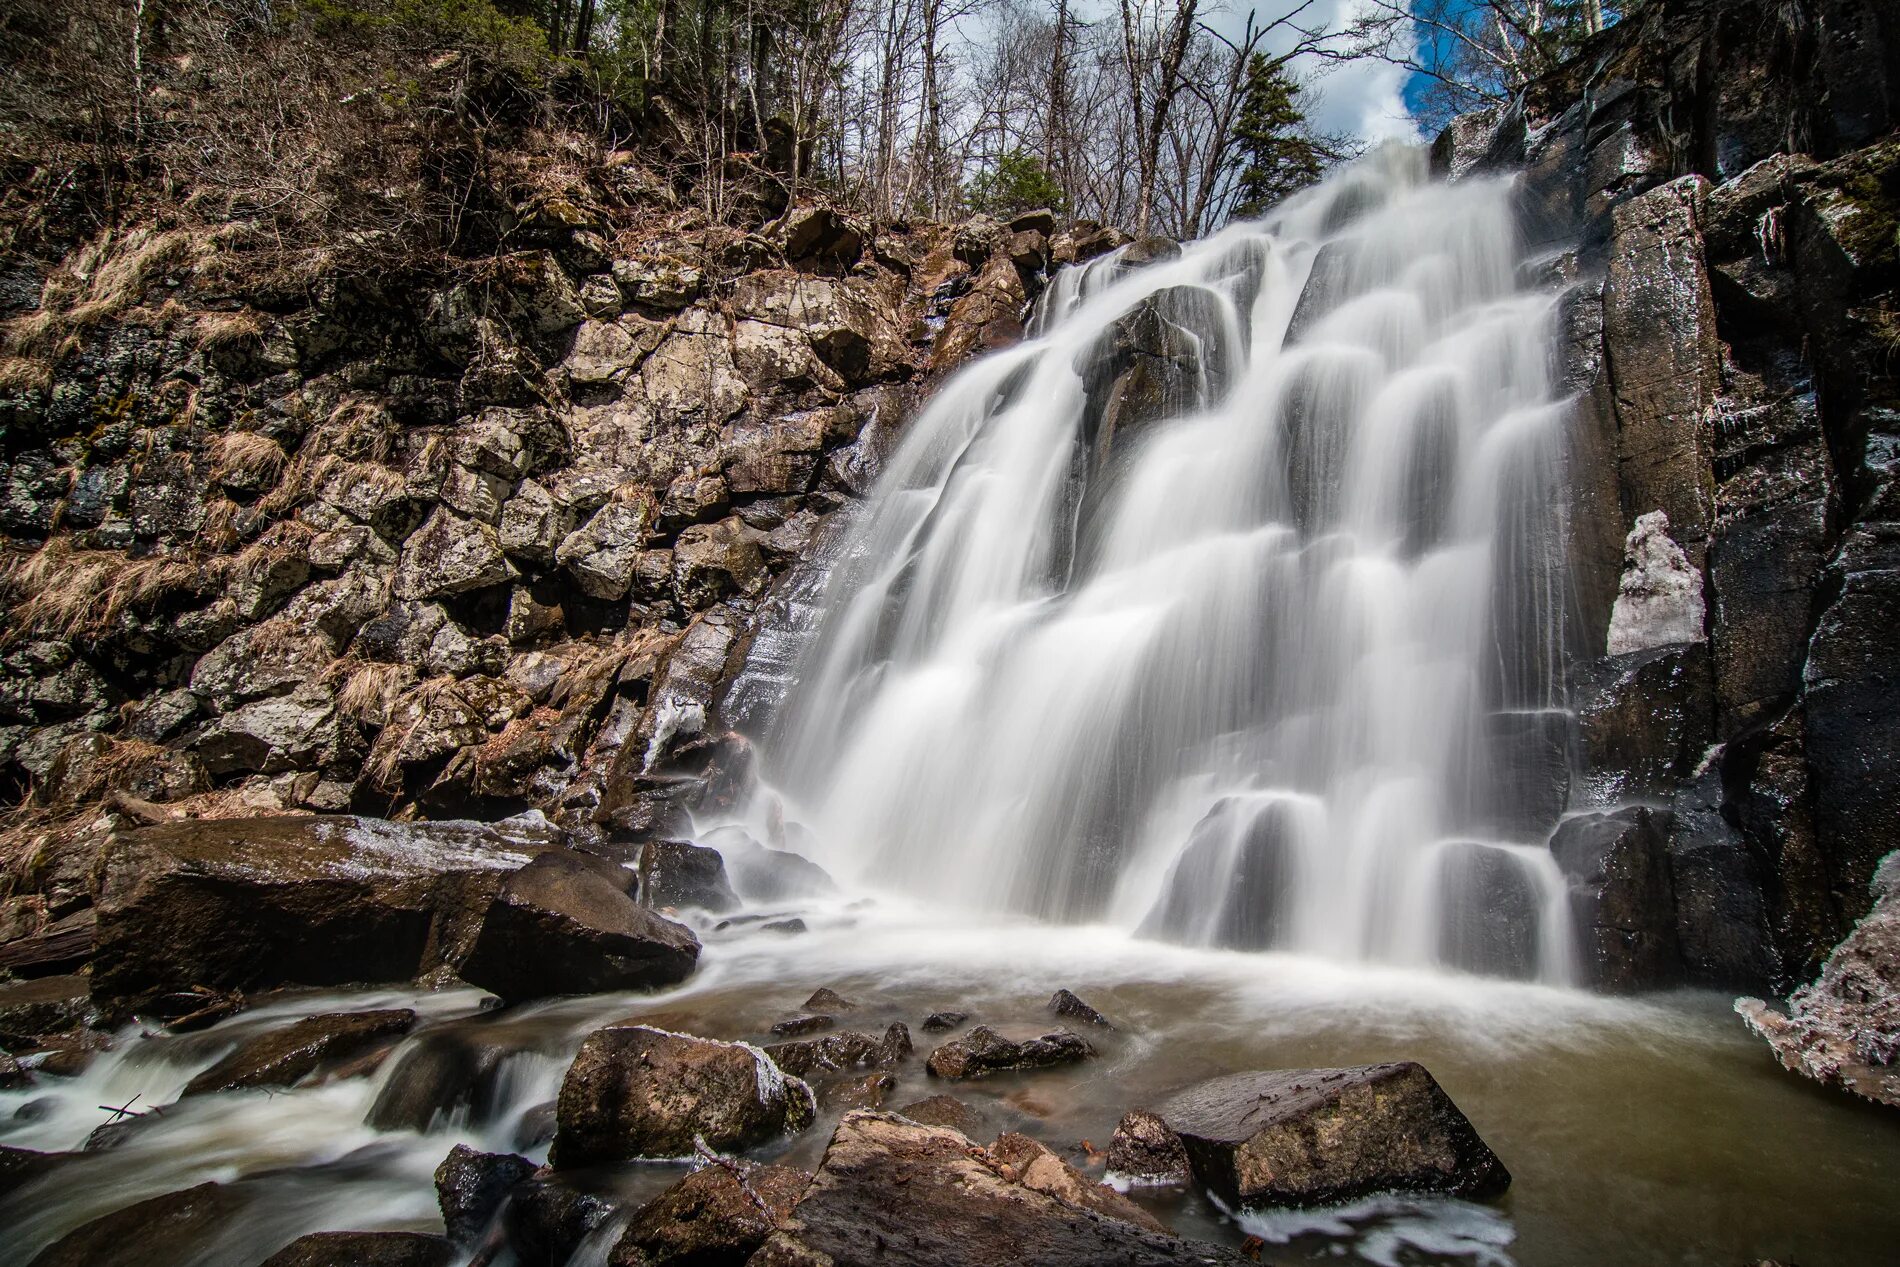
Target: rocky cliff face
1719, 186
427, 547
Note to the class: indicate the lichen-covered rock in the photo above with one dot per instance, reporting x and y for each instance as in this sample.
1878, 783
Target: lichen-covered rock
1145, 1150
1843, 1029
719, 1213
1317, 1136
634, 1091
449, 554
886, 1183
1660, 600
283, 1057
983, 1051
566, 924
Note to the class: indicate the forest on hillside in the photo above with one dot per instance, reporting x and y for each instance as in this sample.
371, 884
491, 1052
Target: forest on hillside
1166, 116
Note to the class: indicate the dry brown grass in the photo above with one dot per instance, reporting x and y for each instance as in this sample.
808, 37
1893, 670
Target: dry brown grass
371, 689
222, 329
253, 460
61, 592
97, 282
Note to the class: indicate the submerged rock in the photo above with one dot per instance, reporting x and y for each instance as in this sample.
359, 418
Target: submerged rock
1843, 1030
983, 1051
1317, 1136
634, 1091
364, 1249
718, 1214
161, 1229
470, 1187
891, 1190
565, 924
947, 1110
283, 1057
548, 1217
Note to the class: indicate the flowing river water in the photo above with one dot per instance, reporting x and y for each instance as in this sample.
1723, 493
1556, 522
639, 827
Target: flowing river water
1211, 709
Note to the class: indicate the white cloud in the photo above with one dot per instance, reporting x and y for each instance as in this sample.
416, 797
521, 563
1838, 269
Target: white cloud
1365, 98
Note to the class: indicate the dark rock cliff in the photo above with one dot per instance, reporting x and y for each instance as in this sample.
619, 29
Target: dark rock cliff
1718, 183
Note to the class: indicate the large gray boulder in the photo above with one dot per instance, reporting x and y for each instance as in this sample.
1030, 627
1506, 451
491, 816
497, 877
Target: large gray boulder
1317, 1136
567, 923
634, 1091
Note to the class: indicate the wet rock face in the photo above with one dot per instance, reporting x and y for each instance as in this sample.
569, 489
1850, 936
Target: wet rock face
1731, 458
983, 1051
888, 1185
283, 1057
567, 924
548, 1217
471, 1186
1316, 1136
639, 1092
248, 903
1622, 896
835, 1053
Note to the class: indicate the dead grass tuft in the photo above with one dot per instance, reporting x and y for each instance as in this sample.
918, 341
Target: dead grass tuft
247, 459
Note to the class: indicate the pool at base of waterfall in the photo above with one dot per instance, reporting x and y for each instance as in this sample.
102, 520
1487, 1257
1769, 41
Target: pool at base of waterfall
1651, 1129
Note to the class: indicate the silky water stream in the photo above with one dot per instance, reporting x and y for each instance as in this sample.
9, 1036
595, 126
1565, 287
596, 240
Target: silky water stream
1187, 657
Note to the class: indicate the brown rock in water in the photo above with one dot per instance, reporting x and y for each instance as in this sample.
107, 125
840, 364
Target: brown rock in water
983, 1051
1843, 1030
796, 1026
938, 1022
639, 1092
364, 1249
947, 1110
1314, 1136
565, 924
548, 1217
718, 1214
893, 1191
1066, 1005
250, 903
868, 1092
21, 1166
282, 1057
1038, 1168
162, 1229
470, 1187
1147, 1151
826, 999
847, 1050
44, 1005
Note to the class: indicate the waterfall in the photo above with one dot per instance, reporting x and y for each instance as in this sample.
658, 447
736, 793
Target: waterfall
1226, 606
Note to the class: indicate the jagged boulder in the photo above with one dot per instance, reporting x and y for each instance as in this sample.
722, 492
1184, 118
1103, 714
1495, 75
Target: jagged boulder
678, 873
720, 1213
842, 1051
1318, 1136
926, 1193
634, 1091
983, 1051
1145, 1150
567, 923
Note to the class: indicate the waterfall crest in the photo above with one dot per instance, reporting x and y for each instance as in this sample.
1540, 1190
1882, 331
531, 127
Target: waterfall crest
1226, 607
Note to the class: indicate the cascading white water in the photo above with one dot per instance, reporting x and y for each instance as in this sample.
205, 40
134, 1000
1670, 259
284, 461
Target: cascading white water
1226, 606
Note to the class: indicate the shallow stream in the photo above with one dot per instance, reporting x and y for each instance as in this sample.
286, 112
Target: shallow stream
1650, 1130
